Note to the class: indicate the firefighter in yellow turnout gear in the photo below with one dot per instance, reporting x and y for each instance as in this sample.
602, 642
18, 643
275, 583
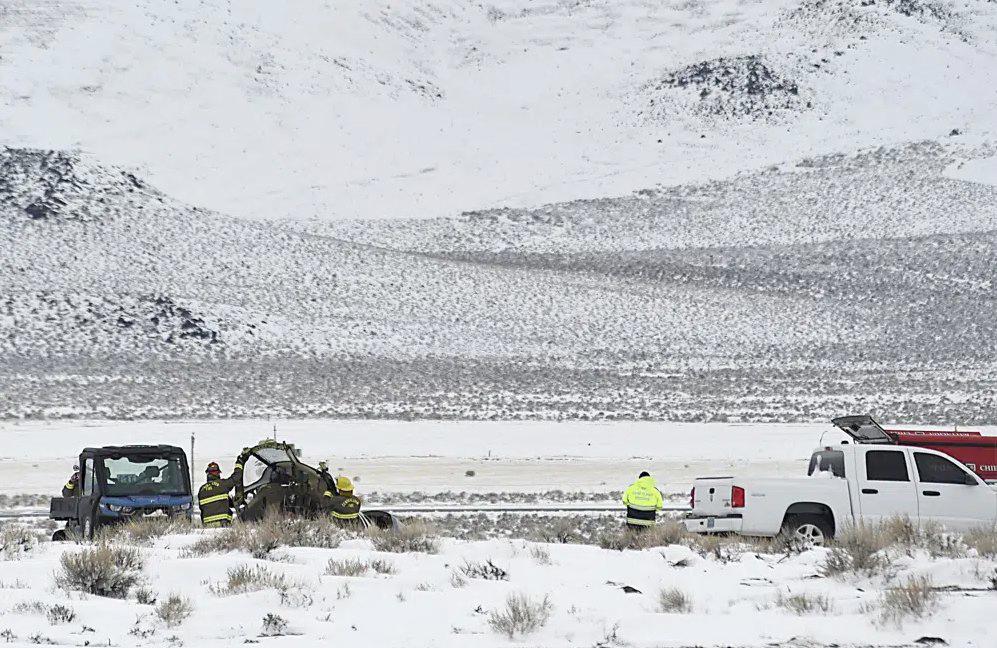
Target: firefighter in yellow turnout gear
344, 506
643, 501
213, 498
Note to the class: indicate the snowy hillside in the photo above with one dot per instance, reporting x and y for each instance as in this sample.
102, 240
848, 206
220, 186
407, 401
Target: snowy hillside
432, 107
689, 210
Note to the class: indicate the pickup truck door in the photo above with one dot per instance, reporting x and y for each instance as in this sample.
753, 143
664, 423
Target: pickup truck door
885, 487
951, 495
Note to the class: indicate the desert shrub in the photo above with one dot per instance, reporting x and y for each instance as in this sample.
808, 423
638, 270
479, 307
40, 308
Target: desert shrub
382, 566
145, 596
346, 567
857, 549
484, 571
57, 614
416, 537
104, 570
274, 625
983, 540
560, 530
457, 581
15, 541
802, 604
144, 529
247, 578
174, 610
664, 533
357, 567
296, 596
259, 539
521, 615
673, 600
540, 554
915, 597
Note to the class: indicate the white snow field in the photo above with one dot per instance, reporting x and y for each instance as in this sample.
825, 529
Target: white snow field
433, 456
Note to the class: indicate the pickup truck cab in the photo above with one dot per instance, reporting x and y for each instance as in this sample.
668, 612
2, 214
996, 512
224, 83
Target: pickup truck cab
865, 480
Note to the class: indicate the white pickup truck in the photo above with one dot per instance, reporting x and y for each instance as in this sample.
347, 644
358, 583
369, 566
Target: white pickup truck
867, 479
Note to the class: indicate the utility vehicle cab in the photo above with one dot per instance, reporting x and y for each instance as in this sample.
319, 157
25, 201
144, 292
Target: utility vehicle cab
119, 483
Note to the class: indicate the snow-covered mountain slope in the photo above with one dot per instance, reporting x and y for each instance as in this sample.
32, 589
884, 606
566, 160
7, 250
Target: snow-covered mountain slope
432, 107
119, 301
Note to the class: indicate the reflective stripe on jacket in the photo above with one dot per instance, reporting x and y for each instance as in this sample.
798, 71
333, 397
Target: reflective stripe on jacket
643, 501
343, 507
213, 499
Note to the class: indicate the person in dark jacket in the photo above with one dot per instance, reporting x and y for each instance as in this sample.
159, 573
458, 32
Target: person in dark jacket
643, 501
213, 498
344, 506
72, 487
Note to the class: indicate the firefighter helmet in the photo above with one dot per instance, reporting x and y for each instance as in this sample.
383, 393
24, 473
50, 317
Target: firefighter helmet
213, 469
343, 484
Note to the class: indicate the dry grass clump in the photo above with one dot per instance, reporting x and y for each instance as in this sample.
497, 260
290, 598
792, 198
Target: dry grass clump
521, 615
540, 554
259, 539
416, 537
16, 541
105, 570
357, 567
664, 533
55, 614
274, 625
174, 610
560, 530
914, 598
145, 529
674, 601
484, 571
858, 549
983, 540
247, 578
805, 604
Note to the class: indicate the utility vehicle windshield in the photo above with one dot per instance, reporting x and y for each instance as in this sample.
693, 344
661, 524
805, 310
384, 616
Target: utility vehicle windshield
140, 475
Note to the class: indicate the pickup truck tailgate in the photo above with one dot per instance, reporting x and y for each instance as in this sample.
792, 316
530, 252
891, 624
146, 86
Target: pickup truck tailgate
711, 496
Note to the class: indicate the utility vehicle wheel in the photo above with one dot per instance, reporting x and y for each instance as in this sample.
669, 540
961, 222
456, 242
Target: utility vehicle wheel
807, 530
59, 536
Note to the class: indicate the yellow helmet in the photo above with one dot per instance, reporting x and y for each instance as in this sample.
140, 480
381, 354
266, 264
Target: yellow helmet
344, 484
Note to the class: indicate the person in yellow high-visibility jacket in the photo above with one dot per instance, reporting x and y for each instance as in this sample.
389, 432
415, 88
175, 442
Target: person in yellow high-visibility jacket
643, 501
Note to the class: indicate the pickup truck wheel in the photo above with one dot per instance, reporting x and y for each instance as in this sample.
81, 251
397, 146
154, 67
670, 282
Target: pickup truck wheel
807, 530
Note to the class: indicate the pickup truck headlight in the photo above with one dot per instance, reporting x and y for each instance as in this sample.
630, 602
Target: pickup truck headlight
117, 508
180, 508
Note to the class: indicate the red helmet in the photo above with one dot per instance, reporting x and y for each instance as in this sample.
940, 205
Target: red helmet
213, 469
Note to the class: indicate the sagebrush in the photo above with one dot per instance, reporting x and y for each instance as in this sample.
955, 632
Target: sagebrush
174, 610
521, 615
415, 537
105, 570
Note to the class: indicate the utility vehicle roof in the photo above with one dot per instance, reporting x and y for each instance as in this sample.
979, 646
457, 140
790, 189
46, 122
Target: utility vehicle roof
134, 450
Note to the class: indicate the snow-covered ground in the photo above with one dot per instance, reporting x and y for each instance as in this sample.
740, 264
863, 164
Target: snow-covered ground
433, 457
735, 597
395, 456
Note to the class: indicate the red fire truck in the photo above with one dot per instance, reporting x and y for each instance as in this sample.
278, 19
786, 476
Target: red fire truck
976, 451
